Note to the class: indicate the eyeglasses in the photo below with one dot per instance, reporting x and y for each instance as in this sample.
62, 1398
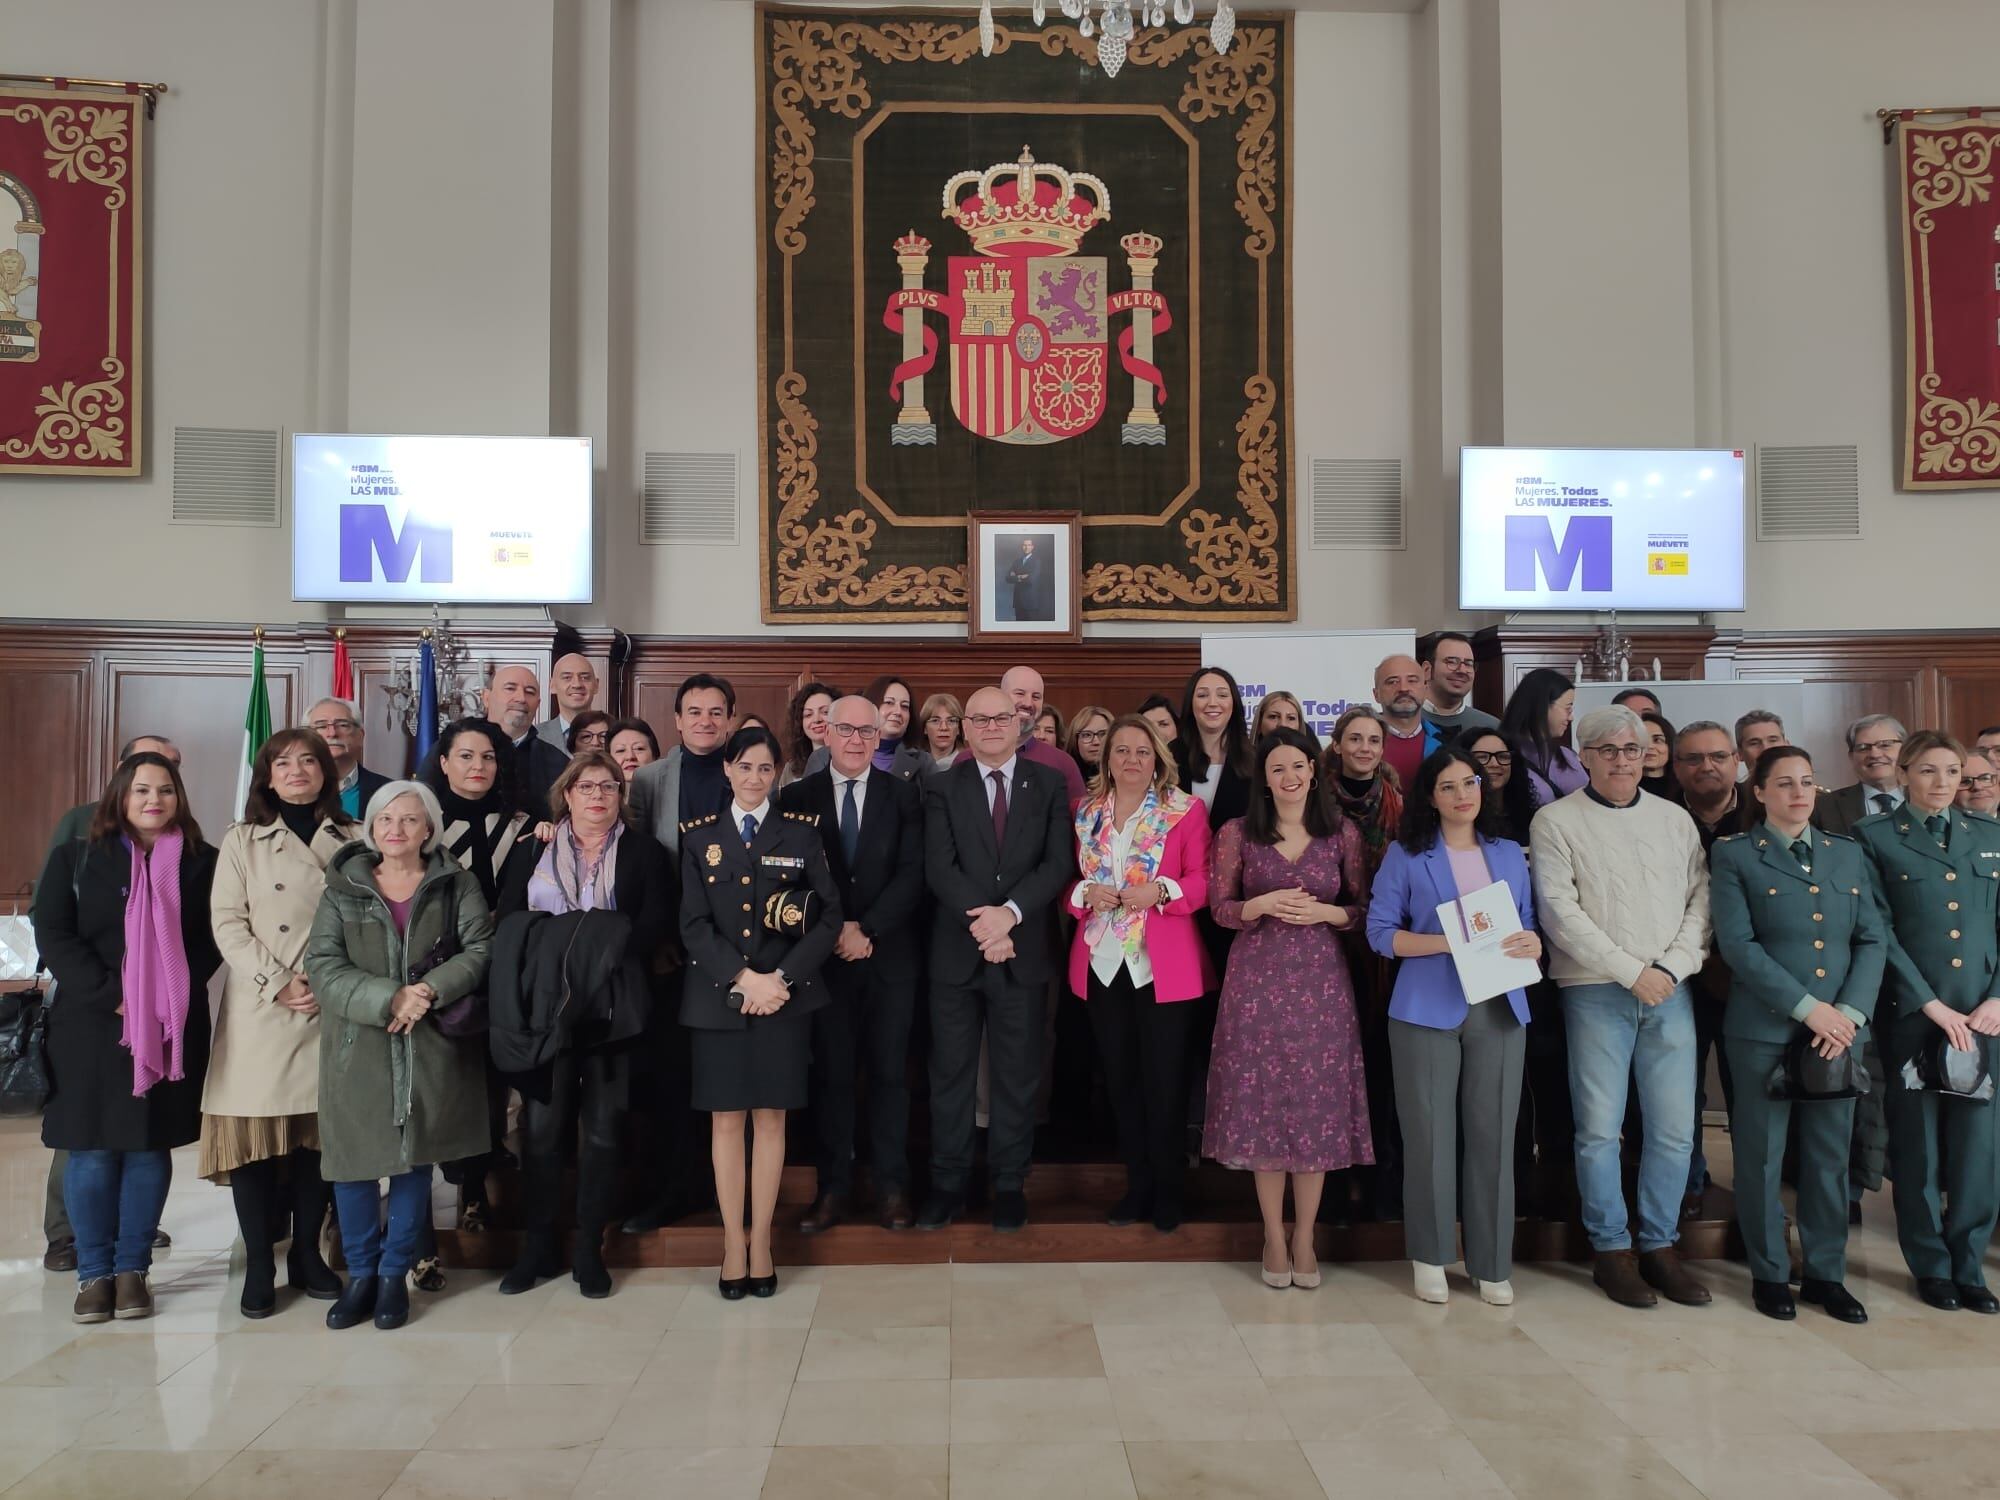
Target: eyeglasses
596, 788
1093, 735
1493, 757
1873, 747
989, 721
857, 731
1698, 757
1618, 752
1455, 661
1989, 779
941, 719
324, 727
591, 739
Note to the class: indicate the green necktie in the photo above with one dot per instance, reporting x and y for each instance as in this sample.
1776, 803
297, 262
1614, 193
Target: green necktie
1802, 852
1937, 824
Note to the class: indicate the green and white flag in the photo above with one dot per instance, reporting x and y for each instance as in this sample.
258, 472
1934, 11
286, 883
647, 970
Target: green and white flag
256, 727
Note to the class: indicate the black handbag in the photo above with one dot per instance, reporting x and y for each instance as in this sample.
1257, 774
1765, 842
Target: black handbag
1943, 1069
1802, 1076
24, 1052
466, 1016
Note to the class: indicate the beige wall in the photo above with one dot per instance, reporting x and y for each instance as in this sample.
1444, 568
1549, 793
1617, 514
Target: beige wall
1644, 221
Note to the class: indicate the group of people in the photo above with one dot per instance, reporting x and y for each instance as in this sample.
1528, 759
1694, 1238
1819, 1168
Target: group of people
1260, 930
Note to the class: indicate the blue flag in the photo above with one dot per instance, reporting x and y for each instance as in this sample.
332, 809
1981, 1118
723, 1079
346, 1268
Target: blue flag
427, 704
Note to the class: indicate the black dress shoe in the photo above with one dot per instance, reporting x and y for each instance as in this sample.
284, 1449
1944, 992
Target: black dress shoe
1838, 1301
392, 1302
1977, 1299
941, 1209
1774, 1300
1129, 1209
896, 1212
356, 1304
260, 1282
1166, 1212
162, 1240
1010, 1210
828, 1209
762, 1286
1938, 1293
60, 1256
733, 1288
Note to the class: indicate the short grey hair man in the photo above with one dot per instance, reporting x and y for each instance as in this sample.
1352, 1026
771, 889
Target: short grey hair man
388, 794
1867, 722
1595, 724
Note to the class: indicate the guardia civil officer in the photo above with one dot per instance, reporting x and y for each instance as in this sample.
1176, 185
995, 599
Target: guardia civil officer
1937, 872
759, 915
1796, 920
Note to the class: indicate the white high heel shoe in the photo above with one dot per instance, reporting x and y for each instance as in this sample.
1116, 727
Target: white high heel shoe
1431, 1285
1498, 1293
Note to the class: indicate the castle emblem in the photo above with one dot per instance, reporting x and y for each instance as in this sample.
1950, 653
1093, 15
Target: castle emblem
1028, 320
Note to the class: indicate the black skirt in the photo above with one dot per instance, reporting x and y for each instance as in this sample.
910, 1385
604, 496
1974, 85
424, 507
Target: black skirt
762, 1066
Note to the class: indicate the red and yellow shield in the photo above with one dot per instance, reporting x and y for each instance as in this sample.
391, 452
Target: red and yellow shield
1029, 346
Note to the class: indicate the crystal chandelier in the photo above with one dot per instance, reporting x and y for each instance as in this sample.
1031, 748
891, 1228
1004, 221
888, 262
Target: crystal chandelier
1112, 22
457, 697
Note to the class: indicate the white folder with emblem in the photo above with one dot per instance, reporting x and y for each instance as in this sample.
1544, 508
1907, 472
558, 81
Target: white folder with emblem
1475, 926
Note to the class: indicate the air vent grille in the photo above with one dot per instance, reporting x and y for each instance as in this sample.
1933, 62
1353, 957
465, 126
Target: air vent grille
225, 476
1357, 504
688, 497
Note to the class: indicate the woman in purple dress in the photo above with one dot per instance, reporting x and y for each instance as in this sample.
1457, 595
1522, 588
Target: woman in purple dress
1287, 1095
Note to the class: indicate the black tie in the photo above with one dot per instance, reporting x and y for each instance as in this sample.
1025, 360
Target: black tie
1936, 824
749, 829
850, 825
1884, 803
1802, 852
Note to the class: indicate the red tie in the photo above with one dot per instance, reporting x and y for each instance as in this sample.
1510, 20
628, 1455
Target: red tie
999, 809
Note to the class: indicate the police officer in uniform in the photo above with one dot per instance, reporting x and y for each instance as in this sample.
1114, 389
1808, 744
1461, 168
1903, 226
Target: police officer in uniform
1795, 917
759, 916
1937, 875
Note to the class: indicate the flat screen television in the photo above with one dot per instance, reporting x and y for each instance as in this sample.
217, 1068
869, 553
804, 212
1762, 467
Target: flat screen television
395, 518
1601, 528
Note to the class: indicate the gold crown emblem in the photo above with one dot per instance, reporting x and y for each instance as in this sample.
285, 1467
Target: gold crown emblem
1026, 207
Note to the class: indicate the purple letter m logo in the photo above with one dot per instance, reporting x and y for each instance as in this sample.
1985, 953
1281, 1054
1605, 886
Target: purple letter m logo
366, 533
1532, 540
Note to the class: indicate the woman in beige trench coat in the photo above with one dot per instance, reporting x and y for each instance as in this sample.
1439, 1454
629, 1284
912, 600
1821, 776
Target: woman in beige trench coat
261, 1100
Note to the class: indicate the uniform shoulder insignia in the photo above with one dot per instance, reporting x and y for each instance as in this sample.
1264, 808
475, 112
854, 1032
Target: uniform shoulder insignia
1837, 838
1732, 838
699, 822
811, 820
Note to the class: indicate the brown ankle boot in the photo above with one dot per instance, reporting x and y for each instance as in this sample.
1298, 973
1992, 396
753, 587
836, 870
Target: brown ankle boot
134, 1298
1663, 1271
1617, 1274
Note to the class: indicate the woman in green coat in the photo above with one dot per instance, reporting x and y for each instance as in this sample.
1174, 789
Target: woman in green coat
1937, 876
1795, 917
401, 933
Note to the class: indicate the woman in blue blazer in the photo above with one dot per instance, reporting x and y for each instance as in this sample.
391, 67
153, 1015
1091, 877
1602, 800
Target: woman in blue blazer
1456, 1063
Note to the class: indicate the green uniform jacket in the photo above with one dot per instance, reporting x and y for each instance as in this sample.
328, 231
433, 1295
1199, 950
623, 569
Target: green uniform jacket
1787, 934
1940, 906
390, 1103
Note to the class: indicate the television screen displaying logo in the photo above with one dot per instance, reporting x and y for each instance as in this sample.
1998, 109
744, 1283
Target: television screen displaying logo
1598, 529
488, 520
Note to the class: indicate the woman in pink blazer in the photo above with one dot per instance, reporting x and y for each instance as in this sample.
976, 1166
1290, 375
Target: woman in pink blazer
1138, 959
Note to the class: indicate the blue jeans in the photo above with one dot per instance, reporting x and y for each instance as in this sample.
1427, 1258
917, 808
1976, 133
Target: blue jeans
1613, 1037
358, 1205
114, 1200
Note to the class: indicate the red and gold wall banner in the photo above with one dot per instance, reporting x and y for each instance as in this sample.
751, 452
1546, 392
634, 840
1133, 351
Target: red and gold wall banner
72, 282
1010, 283
1951, 306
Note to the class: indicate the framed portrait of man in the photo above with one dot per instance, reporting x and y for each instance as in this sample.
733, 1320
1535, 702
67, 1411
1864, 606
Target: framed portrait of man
1024, 575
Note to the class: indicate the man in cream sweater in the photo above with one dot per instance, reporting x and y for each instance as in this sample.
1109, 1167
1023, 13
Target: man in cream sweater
1622, 891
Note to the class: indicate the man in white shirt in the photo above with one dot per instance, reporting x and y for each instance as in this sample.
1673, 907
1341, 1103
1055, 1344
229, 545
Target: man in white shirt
1874, 745
574, 682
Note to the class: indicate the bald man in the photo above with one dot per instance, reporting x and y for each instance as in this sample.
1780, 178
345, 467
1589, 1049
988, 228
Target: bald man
511, 697
1023, 687
1399, 693
574, 682
998, 853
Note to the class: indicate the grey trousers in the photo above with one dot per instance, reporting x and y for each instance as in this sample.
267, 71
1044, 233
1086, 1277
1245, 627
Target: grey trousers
55, 1211
1466, 1079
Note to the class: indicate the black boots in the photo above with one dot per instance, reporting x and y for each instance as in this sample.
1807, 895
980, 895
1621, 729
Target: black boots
392, 1301
538, 1262
592, 1279
357, 1303
253, 1186
305, 1267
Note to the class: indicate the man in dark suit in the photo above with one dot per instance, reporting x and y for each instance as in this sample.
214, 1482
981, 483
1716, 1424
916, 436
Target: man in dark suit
998, 850
335, 721
510, 699
1874, 745
872, 825
1026, 574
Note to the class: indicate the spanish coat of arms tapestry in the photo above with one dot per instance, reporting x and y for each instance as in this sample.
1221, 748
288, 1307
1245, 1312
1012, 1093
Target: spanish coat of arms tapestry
1009, 282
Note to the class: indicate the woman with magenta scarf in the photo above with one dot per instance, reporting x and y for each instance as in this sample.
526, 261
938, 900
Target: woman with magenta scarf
121, 916
1138, 960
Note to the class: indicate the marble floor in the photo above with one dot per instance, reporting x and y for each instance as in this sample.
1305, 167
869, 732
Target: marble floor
975, 1381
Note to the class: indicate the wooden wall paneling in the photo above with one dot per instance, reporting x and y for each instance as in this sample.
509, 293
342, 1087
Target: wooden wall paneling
1507, 653
45, 707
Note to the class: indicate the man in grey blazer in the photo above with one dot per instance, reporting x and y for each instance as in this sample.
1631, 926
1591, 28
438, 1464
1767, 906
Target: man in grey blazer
573, 684
1874, 743
687, 781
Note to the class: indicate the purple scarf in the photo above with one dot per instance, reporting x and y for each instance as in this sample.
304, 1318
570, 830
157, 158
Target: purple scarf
564, 881
154, 974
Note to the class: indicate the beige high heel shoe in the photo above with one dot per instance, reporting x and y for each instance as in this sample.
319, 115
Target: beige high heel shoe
1306, 1279
1278, 1280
